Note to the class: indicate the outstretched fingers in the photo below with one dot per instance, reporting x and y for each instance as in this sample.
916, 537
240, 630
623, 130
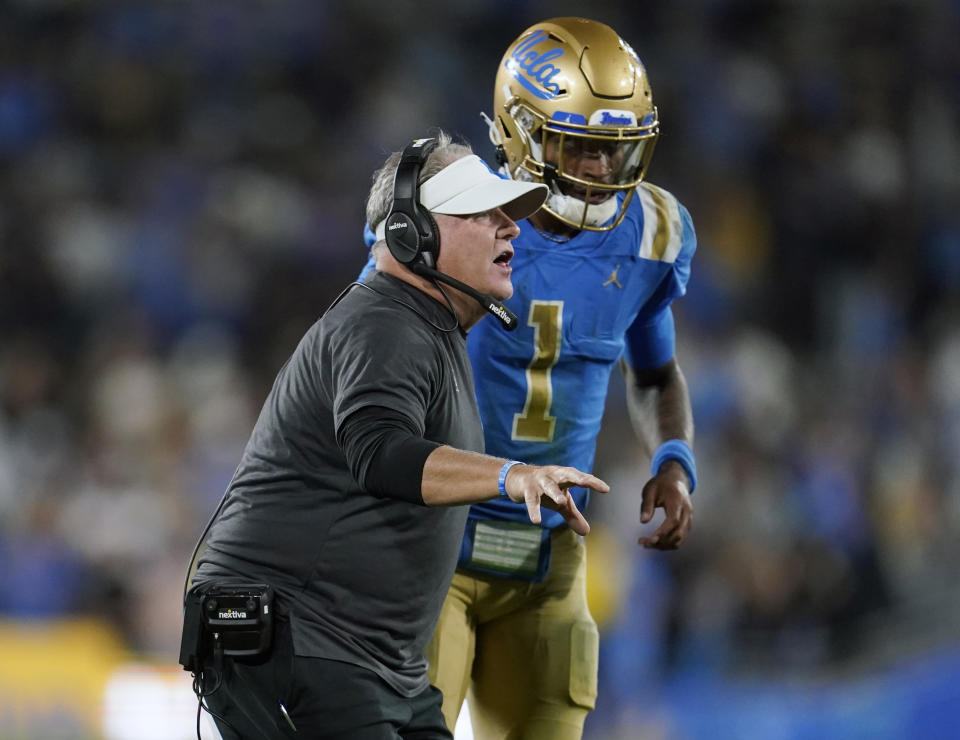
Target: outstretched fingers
552, 492
533, 507
567, 508
574, 477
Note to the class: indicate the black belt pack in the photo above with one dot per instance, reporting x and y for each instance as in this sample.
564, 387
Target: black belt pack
234, 619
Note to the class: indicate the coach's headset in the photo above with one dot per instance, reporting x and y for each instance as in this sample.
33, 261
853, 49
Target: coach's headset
412, 235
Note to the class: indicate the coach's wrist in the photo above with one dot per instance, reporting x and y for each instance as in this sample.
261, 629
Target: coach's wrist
502, 479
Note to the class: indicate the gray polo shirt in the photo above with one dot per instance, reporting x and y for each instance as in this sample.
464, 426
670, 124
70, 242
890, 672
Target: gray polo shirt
361, 576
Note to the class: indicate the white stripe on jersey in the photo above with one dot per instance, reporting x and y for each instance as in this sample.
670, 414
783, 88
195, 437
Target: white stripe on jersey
662, 229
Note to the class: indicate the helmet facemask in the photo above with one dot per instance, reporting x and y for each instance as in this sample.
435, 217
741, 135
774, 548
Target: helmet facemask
587, 167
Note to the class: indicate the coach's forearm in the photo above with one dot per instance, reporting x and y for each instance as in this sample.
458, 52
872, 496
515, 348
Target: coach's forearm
452, 476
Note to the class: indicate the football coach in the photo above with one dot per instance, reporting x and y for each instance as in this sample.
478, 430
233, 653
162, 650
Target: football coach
343, 521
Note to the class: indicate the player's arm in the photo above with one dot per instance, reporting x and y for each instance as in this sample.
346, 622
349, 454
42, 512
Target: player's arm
659, 406
657, 396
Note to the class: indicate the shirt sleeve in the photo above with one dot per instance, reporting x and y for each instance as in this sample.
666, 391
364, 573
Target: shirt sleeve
385, 455
389, 360
652, 343
386, 375
651, 339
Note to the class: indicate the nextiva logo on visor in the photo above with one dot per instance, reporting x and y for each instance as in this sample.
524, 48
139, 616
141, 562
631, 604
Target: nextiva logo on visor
532, 69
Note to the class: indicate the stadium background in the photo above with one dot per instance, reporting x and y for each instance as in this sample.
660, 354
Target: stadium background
181, 195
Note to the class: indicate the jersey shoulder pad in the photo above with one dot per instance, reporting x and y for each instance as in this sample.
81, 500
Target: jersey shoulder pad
663, 223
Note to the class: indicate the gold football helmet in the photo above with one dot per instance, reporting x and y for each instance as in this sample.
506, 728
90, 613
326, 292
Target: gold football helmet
573, 108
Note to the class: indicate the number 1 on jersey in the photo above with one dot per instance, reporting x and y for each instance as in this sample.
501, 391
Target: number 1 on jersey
535, 423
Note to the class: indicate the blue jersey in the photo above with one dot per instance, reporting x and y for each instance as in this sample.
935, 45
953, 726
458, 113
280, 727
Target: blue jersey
581, 305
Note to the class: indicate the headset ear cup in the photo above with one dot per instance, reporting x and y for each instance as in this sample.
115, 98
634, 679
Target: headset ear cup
430, 238
410, 231
402, 237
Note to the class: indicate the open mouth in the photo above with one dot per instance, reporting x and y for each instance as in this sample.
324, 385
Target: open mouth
504, 257
599, 196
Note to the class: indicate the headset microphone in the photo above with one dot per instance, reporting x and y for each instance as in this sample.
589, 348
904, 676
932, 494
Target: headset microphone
506, 317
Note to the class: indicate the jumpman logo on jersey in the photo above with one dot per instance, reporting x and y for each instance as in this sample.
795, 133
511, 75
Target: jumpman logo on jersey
613, 278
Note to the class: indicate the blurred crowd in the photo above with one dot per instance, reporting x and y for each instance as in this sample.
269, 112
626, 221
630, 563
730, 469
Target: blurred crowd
181, 195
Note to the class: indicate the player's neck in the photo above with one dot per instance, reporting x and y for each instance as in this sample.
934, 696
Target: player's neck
552, 227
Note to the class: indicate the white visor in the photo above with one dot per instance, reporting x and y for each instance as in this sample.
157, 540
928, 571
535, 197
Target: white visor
468, 186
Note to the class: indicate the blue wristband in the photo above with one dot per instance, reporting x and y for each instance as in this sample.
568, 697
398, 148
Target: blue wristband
676, 449
501, 481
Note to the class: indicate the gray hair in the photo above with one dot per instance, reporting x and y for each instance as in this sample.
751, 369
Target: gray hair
380, 200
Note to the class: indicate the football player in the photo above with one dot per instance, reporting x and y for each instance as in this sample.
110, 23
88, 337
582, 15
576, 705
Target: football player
595, 272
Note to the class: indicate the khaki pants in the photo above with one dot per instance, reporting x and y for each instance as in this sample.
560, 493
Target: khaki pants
524, 654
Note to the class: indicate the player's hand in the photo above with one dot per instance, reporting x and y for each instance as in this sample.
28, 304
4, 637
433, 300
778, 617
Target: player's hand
668, 490
547, 485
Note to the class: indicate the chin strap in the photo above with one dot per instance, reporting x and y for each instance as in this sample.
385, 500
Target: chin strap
571, 208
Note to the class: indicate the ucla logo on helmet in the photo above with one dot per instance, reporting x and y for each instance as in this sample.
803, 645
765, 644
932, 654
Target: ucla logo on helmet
532, 68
